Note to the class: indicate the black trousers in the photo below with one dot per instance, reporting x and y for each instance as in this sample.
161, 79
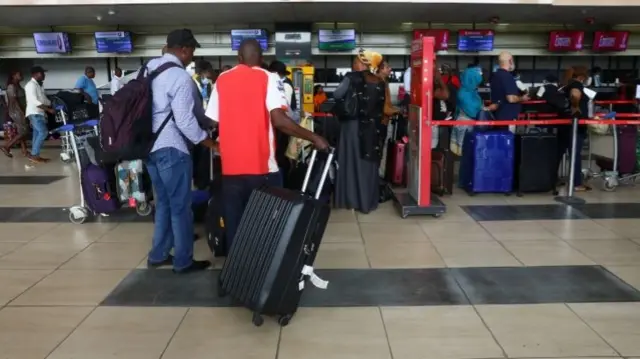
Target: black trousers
236, 191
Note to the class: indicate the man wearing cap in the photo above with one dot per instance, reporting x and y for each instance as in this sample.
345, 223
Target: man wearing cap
37, 105
169, 164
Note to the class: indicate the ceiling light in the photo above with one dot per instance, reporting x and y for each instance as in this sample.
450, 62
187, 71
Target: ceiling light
112, 12
99, 18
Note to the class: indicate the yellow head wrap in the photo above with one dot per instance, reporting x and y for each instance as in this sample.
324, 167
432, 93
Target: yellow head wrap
370, 58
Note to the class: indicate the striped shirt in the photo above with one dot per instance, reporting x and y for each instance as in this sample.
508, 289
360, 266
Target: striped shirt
173, 90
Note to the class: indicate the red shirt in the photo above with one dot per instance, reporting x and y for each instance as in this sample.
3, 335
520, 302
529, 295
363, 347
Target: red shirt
241, 101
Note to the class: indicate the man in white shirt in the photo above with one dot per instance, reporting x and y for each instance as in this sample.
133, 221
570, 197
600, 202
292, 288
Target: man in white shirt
117, 82
37, 105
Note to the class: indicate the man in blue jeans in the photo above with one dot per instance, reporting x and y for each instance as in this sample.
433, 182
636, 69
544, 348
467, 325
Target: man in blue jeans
170, 166
37, 106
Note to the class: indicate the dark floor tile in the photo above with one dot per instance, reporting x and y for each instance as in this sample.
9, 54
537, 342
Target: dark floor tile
395, 287
29, 180
347, 288
529, 212
61, 215
530, 285
385, 287
610, 210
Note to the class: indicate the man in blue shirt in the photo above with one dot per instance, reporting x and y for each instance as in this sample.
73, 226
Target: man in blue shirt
505, 94
86, 85
169, 164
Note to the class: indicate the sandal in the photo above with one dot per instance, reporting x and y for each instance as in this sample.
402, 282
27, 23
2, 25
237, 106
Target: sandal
6, 151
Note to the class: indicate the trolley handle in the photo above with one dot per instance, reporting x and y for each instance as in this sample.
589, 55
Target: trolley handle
325, 171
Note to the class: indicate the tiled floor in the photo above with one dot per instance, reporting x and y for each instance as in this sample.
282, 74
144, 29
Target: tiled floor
495, 277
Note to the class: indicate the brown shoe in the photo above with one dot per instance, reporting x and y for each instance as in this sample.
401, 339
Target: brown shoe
35, 159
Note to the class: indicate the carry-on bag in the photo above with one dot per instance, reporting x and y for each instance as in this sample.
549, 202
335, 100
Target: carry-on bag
441, 171
214, 221
535, 161
487, 162
627, 142
98, 192
396, 164
274, 249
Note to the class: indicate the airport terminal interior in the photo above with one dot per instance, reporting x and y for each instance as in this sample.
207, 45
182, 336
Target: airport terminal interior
495, 276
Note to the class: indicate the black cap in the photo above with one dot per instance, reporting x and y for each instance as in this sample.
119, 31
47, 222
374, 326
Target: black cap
182, 38
37, 70
280, 68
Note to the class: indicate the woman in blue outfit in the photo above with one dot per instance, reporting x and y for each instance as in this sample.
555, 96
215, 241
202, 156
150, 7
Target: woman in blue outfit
468, 106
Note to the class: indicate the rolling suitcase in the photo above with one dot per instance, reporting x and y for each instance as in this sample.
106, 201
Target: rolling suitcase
535, 160
487, 160
396, 164
441, 171
97, 189
274, 249
627, 142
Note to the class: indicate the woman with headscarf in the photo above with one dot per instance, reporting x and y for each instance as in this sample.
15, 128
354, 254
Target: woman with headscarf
468, 106
360, 99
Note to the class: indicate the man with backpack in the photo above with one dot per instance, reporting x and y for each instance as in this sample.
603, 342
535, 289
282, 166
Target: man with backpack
152, 118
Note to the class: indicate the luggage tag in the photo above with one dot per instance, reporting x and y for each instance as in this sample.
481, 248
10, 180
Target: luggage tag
315, 280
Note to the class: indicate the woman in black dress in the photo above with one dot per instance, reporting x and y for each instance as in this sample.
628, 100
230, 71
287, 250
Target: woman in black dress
360, 99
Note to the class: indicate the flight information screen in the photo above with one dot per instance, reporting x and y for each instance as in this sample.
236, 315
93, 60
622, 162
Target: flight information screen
475, 40
118, 42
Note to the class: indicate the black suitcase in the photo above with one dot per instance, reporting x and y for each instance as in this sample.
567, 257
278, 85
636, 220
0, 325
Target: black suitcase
274, 249
536, 153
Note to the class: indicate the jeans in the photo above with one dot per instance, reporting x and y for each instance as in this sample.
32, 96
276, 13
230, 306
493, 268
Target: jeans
171, 172
236, 191
40, 132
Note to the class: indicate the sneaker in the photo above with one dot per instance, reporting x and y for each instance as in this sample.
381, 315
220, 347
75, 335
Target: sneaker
36, 160
195, 266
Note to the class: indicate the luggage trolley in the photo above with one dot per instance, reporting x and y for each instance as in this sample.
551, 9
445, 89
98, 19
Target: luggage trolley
67, 153
611, 179
78, 214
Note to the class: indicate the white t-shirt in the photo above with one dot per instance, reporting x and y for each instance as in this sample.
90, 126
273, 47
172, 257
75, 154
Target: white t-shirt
116, 84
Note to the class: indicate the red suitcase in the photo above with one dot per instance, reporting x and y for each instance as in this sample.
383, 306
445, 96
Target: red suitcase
396, 163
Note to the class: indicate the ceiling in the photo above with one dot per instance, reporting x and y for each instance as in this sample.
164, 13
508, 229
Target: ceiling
336, 11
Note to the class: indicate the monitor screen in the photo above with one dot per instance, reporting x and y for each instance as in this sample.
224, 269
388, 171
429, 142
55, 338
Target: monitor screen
475, 40
566, 40
441, 37
610, 40
52, 42
237, 36
118, 42
336, 40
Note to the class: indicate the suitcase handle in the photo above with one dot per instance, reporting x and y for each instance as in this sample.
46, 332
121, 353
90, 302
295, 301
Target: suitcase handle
325, 171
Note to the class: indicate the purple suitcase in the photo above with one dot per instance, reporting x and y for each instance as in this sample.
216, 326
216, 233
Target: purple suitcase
97, 191
627, 137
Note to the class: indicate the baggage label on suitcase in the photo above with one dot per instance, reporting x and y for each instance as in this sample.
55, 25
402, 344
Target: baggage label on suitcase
274, 249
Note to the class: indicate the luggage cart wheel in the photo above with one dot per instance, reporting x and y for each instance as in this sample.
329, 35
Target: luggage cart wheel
555, 192
284, 320
609, 185
257, 320
78, 218
144, 209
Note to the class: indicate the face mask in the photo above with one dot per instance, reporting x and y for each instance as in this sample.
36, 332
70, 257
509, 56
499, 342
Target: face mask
206, 81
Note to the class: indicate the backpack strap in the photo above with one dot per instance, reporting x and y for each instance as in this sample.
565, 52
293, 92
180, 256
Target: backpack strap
152, 76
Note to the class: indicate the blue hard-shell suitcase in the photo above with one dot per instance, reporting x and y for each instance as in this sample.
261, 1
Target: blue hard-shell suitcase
488, 162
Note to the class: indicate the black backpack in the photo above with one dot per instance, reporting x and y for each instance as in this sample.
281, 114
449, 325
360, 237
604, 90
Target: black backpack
557, 99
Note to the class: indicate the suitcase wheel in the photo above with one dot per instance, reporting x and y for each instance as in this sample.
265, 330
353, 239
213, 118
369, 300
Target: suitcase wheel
221, 291
284, 320
257, 320
519, 194
507, 194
